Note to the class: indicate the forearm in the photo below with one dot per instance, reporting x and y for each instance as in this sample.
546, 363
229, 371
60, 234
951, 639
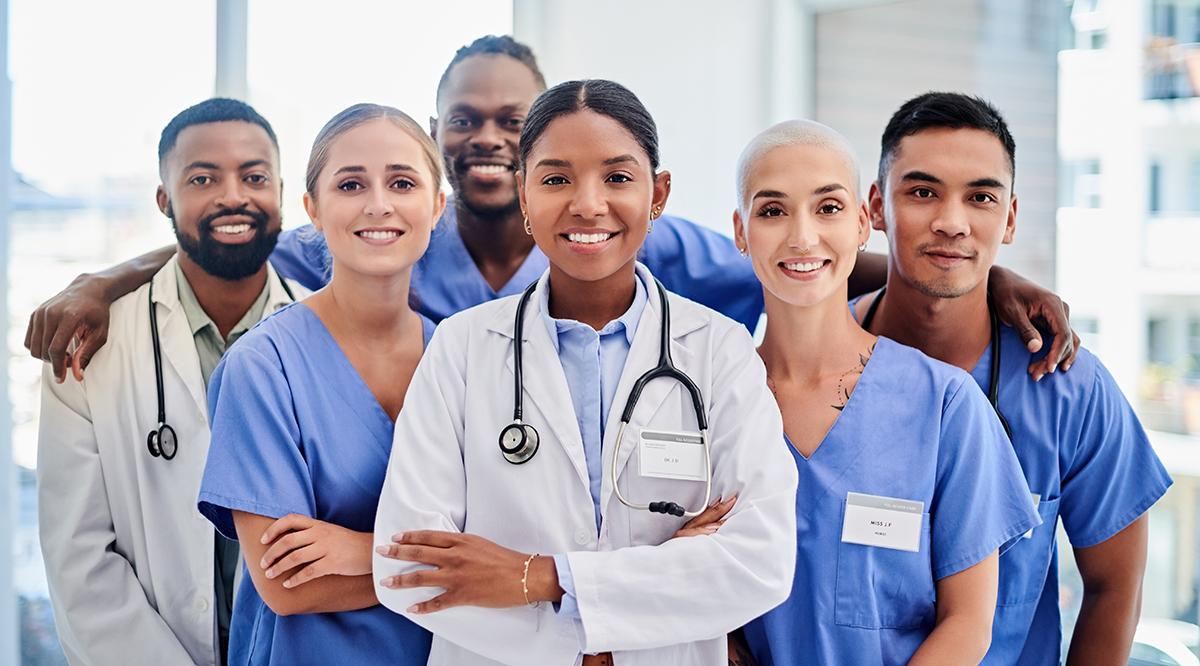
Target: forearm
956, 639
328, 594
129, 275
1105, 628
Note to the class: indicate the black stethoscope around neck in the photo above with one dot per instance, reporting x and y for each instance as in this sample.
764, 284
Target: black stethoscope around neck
993, 393
519, 440
162, 441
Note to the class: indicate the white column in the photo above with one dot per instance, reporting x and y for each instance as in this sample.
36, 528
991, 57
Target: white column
232, 32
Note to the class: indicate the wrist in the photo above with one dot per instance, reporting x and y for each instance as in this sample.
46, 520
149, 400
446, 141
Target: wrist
543, 580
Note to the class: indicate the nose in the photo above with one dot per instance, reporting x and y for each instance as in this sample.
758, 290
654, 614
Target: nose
488, 138
588, 202
802, 234
233, 194
951, 220
377, 204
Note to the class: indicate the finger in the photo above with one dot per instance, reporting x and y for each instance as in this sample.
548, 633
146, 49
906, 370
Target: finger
436, 538
1070, 360
708, 514
33, 317
57, 349
440, 602
88, 346
410, 553
289, 523
422, 578
38, 349
310, 572
1022, 323
294, 559
77, 365
284, 545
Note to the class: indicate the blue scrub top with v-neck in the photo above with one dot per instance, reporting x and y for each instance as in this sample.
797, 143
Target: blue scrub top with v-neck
913, 429
295, 429
690, 260
1086, 456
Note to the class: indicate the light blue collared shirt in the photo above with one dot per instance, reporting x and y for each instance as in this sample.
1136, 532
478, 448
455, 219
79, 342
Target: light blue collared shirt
592, 361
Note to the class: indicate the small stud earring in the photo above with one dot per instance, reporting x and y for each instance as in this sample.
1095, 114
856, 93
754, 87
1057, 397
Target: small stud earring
862, 248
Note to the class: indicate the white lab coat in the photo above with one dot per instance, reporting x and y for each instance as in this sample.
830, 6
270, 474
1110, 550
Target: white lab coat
649, 602
129, 559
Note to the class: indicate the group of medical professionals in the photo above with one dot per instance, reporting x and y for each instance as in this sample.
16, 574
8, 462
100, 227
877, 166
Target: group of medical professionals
527, 423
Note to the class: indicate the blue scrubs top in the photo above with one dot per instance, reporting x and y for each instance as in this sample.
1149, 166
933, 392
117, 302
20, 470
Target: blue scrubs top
296, 430
914, 429
1084, 452
690, 260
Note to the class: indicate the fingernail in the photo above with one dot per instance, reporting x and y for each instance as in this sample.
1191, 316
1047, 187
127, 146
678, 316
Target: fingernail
270, 573
1038, 377
397, 538
262, 564
287, 583
1066, 366
1053, 368
411, 609
382, 550
263, 539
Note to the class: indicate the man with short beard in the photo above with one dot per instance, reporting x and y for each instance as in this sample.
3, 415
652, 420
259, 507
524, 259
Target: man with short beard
136, 575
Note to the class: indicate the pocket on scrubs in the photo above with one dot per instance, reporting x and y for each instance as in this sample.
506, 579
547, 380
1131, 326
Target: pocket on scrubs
1023, 567
884, 588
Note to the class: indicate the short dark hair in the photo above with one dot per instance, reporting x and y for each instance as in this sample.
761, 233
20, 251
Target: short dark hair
214, 110
494, 45
604, 97
949, 110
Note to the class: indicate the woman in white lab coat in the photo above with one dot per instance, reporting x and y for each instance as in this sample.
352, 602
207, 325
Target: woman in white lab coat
500, 530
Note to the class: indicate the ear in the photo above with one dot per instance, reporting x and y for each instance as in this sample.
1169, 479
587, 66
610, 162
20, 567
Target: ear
875, 207
163, 201
433, 122
521, 193
739, 232
864, 223
310, 207
1010, 227
439, 207
662, 190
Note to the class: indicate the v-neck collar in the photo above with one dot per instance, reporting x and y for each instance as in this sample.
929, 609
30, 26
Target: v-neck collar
531, 267
850, 411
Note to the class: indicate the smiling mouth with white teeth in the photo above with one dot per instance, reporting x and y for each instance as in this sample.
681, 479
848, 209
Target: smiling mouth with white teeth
232, 229
378, 234
804, 266
590, 239
489, 169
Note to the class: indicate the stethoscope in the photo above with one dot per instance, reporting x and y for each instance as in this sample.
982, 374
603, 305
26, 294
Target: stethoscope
519, 441
994, 382
162, 441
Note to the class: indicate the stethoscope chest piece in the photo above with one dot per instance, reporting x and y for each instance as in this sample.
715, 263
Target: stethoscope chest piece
519, 442
162, 442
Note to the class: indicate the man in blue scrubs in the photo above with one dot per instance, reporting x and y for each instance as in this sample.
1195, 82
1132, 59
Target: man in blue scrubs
944, 196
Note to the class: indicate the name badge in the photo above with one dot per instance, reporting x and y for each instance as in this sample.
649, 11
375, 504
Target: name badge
672, 455
1037, 500
885, 522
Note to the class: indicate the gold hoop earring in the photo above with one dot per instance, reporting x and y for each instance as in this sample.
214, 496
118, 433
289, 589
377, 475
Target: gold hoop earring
528, 229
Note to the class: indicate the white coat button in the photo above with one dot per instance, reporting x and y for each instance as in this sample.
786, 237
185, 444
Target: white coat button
583, 537
201, 604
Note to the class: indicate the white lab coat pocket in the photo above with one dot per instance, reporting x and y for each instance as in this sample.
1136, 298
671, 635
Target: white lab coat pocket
884, 588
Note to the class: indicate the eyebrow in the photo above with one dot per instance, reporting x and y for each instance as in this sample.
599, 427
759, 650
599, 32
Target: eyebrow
361, 169
832, 187
986, 182
241, 167
620, 159
768, 194
552, 163
921, 176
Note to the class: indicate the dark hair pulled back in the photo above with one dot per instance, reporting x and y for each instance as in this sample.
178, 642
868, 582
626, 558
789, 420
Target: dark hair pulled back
606, 98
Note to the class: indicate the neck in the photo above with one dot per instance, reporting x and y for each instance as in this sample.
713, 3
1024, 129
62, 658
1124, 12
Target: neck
593, 303
493, 239
952, 330
370, 308
807, 343
224, 301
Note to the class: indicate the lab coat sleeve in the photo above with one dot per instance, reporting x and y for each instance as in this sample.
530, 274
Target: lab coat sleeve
697, 588
425, 489
100, 609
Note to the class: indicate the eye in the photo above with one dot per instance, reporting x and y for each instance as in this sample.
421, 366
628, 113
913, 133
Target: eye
458, 122
201, 180
350, 186
256, 179
619, 178
403, 184
830, 208
515, 123
771, 210
923, 193
554, 180
983, 198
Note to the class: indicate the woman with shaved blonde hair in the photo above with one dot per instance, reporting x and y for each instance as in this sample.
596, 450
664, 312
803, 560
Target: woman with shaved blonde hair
908, 485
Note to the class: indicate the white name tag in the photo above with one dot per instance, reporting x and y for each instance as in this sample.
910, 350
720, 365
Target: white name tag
672, 455
886, 522
1037, 500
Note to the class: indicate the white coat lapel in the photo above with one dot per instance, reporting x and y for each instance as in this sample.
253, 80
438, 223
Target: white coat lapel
643, 356
178, 345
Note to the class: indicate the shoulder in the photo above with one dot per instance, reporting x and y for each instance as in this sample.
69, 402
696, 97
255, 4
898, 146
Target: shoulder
911, 371
672, 233
271, 340
1086, 376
